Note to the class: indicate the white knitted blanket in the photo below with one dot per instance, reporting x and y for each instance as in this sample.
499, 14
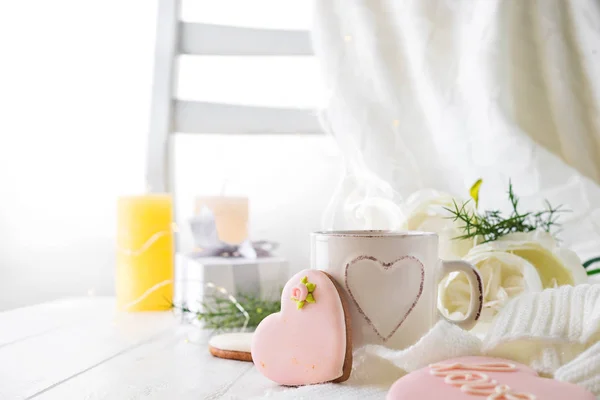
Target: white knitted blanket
556, 332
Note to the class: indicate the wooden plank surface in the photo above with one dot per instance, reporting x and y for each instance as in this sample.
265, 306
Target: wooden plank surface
208, 39
43, 318
89, 334
176, 366
86, 349
202, 117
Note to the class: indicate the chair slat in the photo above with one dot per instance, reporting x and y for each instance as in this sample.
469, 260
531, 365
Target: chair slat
203, 117
208, 39
158, 153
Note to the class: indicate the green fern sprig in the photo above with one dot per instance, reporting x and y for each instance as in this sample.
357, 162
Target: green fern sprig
220, 314
491, 225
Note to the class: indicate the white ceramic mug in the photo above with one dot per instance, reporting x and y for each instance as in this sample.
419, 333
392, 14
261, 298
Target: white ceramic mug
391, 281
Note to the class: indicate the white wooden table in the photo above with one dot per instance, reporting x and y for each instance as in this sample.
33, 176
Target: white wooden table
84, 349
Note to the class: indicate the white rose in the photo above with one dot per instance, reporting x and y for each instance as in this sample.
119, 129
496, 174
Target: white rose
509, 266
556, 265
426, 211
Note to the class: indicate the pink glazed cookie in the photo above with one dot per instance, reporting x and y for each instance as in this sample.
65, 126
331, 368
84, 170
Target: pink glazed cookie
309, 341
485, 378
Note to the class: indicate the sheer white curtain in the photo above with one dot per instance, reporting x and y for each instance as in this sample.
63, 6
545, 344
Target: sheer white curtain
437, 93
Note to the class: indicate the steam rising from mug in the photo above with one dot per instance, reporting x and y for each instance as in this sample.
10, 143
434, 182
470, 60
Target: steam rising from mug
362, 200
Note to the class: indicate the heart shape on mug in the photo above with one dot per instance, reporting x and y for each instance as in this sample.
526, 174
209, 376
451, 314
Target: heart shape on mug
398, 287
308, 342
473, 378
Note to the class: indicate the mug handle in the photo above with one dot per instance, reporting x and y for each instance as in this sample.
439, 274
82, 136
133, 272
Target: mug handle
476, 302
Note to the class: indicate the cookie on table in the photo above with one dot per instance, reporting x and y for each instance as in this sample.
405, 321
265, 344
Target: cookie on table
309, 341
232, 346
472, 378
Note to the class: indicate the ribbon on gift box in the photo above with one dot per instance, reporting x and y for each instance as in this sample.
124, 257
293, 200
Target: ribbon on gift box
206, 238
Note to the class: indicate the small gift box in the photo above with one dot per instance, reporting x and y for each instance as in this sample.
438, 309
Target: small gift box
262, 277
247, 268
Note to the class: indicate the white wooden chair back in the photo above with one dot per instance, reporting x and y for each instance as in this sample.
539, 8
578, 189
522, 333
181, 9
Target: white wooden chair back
169, 115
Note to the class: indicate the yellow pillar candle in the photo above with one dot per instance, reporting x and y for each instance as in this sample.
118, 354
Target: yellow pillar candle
231, 216
144, 276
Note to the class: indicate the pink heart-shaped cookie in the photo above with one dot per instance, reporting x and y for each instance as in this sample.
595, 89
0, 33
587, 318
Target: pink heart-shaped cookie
472, 378
309, 341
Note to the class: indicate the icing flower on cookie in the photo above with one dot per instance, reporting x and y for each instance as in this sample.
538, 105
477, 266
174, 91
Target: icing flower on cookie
303, 293
300, 292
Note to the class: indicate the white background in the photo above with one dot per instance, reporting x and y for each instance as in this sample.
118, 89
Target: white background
75, 81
